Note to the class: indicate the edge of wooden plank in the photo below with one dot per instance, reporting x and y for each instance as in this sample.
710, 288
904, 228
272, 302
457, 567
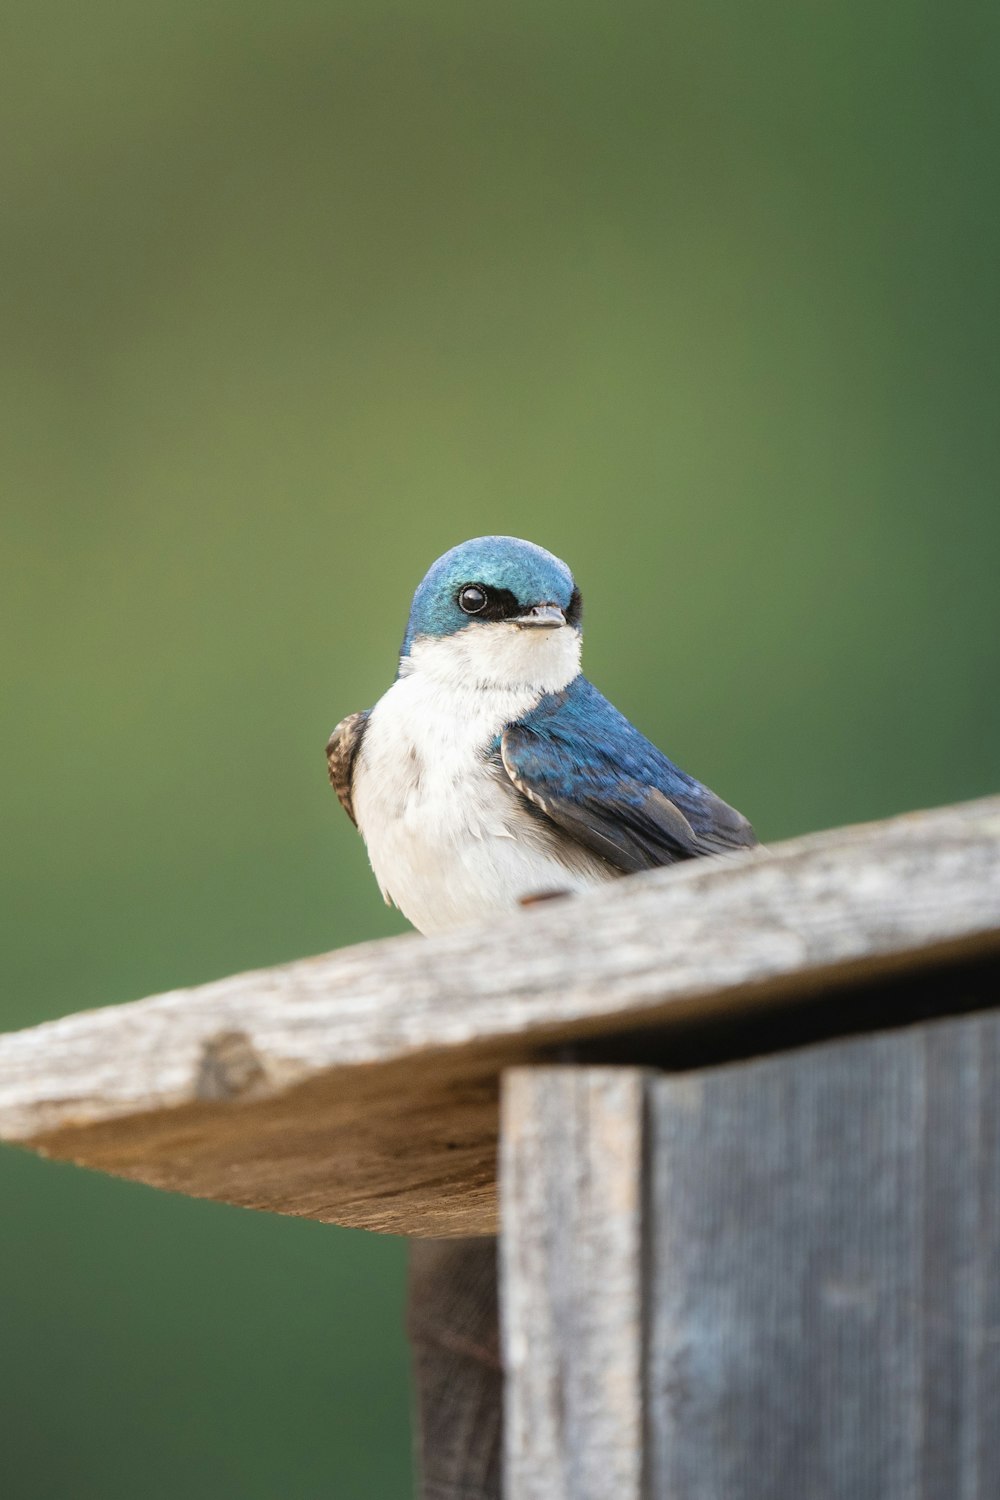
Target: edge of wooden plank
360, 1086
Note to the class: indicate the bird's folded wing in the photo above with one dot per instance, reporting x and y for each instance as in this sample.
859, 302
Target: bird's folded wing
622, 800
341, 753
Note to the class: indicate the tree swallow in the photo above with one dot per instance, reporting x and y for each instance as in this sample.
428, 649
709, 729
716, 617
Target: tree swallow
492, 772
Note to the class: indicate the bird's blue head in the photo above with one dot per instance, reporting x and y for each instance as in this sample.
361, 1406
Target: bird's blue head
495, 612
493, 579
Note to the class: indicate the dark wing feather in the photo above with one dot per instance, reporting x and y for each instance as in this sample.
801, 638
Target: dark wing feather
591, 772
341, 753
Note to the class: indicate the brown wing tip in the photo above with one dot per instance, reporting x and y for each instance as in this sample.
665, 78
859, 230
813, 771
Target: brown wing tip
341, 751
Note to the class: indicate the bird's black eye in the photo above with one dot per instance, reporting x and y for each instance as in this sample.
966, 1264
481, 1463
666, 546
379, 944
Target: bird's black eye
472, 599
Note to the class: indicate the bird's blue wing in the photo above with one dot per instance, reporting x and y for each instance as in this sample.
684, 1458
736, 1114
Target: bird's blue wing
590, 771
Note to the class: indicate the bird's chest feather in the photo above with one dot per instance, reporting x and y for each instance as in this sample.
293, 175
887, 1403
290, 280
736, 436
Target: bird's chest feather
448, 838
424, 769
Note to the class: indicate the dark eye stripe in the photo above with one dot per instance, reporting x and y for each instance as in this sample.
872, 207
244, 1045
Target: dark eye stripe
484, 603
500, 604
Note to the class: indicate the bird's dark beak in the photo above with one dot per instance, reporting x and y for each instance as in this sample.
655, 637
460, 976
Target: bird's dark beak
545, 616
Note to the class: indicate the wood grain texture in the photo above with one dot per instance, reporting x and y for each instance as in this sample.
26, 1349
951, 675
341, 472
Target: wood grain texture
361, 1087
763, 1281
458, 1381
572, 1283
824, 1272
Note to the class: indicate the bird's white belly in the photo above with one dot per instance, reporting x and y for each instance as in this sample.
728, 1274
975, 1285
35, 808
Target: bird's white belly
448, 841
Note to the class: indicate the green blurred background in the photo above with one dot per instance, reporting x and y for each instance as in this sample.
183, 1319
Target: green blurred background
702, 296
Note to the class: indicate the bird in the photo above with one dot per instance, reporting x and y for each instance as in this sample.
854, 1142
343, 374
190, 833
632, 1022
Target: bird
492, 773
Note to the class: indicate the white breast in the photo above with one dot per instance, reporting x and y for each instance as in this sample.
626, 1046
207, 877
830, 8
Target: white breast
448, 840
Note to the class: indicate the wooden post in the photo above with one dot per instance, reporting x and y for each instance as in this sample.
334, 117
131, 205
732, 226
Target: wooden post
452, 1325
791, 1288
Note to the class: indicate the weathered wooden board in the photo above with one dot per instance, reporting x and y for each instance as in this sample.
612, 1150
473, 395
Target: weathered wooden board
824, 1272
817, 1237
572, 1283
361, 1087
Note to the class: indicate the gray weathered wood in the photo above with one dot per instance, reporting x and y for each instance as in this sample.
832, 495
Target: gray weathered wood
825, 1272
821, 1274
572, 1283
361, 1087
458, 1382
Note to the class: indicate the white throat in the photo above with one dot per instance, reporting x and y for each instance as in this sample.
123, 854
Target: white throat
449, 840
504, 658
